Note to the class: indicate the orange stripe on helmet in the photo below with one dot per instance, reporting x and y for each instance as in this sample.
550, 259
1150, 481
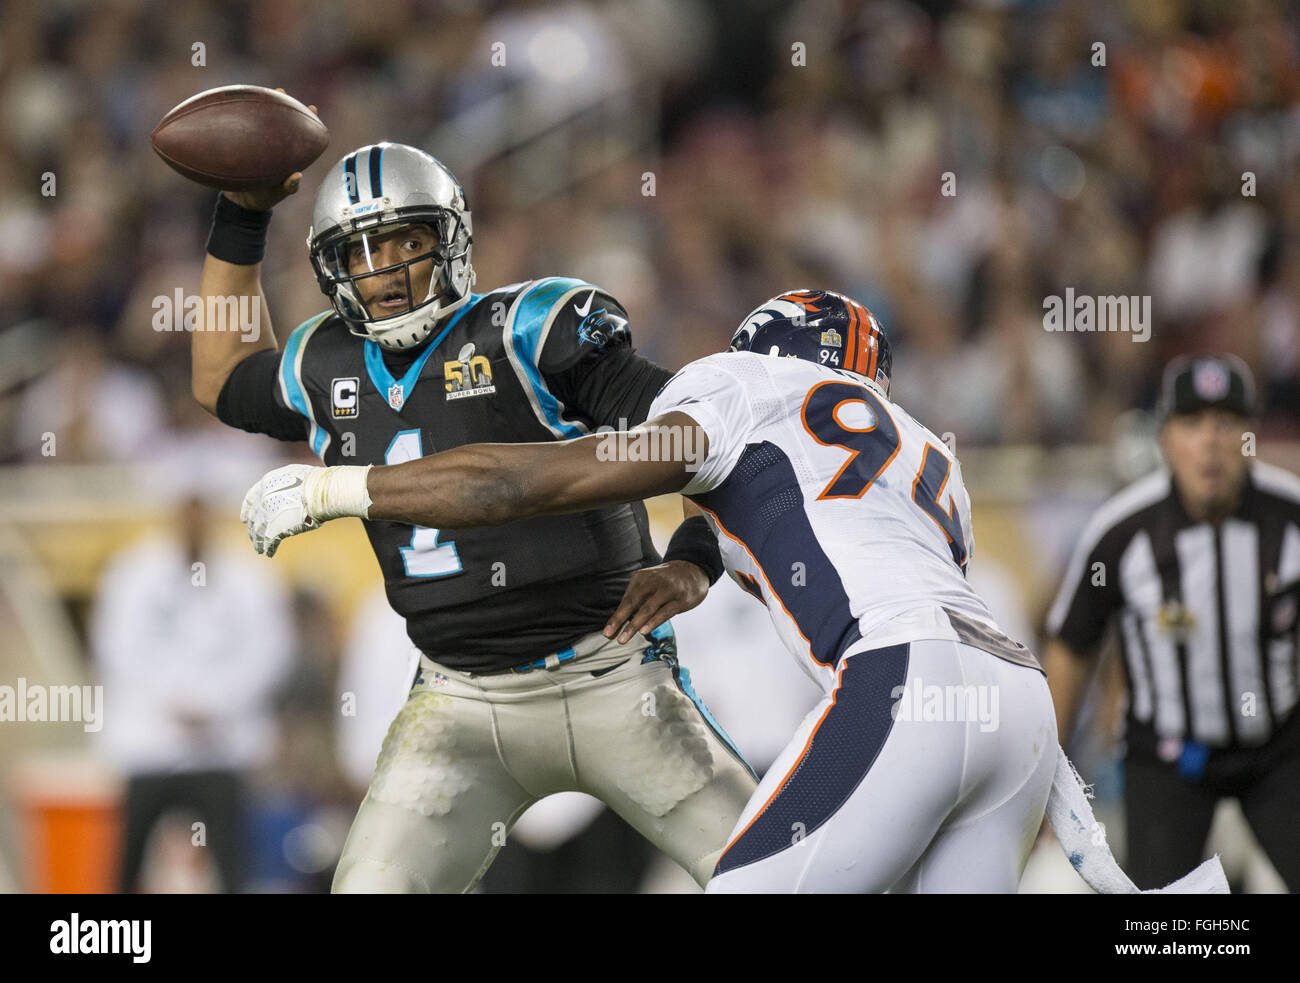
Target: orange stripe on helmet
880, 341
804, 298
855, 356
871, 341
850, 346
861, 353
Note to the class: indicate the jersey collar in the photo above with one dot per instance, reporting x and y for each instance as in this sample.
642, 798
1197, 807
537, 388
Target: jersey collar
1244, 509
398, 391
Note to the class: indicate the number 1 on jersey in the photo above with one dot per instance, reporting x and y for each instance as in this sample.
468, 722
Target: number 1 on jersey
425, 557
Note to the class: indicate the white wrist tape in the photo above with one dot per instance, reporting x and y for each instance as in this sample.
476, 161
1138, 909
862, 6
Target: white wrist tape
332, 493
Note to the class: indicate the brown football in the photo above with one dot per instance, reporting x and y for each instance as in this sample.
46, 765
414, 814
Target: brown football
239, 137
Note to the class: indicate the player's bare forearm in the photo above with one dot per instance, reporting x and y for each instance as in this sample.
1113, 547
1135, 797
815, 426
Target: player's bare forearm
479, 484
215, 353
1067, 677
491, 484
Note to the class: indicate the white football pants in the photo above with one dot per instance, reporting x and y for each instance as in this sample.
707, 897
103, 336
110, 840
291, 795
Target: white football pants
468, 753
925, 770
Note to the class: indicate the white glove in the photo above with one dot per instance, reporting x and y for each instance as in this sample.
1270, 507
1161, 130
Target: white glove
275, 508
299, 497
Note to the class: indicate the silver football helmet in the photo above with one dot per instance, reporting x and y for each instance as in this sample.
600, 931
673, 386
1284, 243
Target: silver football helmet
366, 197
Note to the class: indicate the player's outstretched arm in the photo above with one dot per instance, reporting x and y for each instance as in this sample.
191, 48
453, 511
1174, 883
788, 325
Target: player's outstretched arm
215, 351
476, 485
232, 269
491, 484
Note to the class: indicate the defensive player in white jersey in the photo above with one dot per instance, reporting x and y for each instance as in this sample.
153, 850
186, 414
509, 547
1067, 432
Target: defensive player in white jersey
928, 764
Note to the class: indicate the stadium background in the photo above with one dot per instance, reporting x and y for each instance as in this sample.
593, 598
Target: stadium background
694, 158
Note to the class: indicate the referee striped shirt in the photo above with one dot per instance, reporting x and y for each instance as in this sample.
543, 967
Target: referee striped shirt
1207, 613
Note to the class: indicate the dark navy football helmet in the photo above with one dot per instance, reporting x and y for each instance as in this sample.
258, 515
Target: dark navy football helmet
819, 326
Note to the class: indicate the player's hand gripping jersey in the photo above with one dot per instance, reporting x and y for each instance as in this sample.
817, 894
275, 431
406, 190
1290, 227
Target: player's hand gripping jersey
839, 511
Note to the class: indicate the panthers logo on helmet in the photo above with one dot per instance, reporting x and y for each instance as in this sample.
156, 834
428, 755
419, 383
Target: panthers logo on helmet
819, 326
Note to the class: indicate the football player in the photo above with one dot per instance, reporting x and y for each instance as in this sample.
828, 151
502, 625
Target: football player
929, 762
525, 685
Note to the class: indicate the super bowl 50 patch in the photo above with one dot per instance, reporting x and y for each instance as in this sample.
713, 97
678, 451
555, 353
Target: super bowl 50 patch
469, 375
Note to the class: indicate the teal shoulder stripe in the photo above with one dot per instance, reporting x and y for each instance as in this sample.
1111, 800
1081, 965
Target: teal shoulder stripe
526, 332
291, 378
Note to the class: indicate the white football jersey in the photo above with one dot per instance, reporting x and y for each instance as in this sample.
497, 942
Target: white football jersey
834, 507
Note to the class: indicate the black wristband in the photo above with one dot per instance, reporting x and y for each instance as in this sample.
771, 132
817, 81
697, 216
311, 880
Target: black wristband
238, 234
695, 543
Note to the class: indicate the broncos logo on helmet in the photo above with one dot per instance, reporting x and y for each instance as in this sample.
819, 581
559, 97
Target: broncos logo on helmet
819, 326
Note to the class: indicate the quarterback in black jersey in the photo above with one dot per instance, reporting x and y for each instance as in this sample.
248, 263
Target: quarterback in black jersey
522, 689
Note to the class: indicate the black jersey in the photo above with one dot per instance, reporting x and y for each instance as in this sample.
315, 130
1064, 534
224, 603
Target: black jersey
544, 360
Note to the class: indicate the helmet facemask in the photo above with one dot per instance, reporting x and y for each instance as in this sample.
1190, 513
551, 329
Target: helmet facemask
398, 303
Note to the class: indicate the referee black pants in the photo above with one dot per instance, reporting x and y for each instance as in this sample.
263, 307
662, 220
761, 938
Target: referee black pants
215, 798
1168, 815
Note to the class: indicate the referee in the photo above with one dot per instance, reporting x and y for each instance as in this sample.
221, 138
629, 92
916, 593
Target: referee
1199, 566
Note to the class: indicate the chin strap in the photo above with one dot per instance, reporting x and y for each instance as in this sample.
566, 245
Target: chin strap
442, 313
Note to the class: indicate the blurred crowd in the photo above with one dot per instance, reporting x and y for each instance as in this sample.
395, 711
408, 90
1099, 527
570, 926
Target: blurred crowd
950, 164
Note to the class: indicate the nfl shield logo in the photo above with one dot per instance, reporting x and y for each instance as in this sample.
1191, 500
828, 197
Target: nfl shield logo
395, 396
1210, 380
